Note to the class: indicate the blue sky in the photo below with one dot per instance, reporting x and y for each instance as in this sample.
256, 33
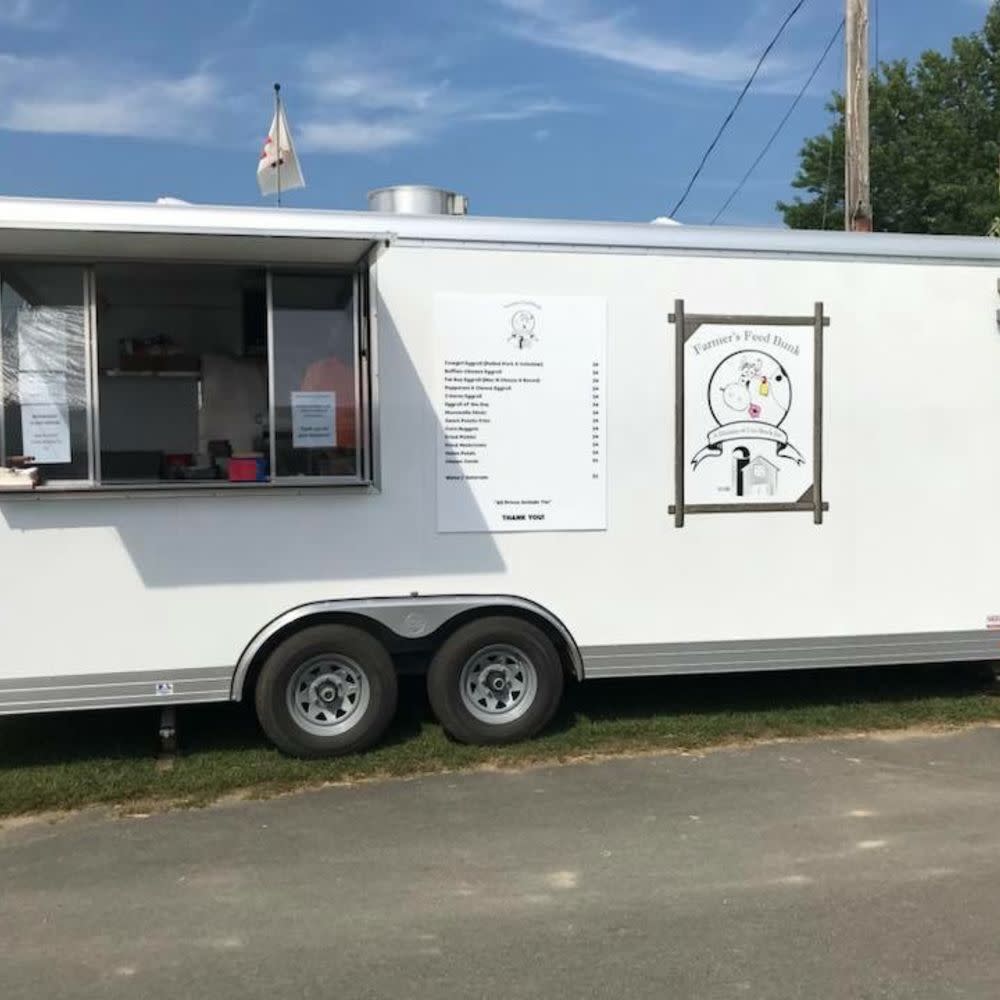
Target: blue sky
559, 108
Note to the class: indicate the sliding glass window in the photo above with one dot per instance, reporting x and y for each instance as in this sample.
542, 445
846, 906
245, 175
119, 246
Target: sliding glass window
186, 375
315, 376
182, 373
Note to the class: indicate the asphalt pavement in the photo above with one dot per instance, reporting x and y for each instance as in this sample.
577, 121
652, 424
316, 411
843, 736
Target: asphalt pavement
852, 868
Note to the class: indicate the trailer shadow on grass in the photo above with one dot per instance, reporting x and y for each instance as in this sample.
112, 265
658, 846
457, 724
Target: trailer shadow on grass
55, 738
772, 692
689, 710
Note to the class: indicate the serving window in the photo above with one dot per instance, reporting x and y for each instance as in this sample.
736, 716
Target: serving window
149, 375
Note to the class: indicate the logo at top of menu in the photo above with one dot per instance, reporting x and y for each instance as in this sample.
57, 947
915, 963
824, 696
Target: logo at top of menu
523, 329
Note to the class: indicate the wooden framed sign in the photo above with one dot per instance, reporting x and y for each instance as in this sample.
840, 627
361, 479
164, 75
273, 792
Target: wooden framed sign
749, 413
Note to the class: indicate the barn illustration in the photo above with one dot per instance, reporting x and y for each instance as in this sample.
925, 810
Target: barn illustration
753, 477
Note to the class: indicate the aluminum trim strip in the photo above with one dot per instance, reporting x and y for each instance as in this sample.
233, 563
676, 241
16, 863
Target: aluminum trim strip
200, 674
34, 708
108, 690
788, 654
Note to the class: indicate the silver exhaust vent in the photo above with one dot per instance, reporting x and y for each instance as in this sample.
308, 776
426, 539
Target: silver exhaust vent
417, 199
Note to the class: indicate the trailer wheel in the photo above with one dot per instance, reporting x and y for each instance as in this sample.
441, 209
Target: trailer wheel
495, 680
327, 690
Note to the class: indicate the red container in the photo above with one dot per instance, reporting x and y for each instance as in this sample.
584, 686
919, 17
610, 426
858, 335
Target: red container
247, 469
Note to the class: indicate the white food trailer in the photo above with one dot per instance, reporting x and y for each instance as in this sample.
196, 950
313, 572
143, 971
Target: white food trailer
266, 454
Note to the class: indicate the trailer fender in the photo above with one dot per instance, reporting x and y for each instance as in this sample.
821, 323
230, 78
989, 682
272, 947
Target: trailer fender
412, 617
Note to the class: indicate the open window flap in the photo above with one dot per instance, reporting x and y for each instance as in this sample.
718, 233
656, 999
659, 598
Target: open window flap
326, 250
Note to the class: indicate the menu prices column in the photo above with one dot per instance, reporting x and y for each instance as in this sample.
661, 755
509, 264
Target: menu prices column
521, 412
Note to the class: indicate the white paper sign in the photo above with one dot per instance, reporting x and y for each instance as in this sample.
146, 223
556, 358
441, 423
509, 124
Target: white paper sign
748, 408
521, 413
314, 419
45, 433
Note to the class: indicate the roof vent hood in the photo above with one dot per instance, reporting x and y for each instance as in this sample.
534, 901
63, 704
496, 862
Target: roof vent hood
417, 199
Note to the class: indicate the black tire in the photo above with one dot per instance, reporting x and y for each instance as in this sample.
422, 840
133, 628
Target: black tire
325, 657
461, 649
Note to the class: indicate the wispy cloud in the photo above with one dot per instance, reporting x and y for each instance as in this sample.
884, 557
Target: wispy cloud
519, 111
361, 96
60, 94
358, 105
574, 26
343, 104
250, 14
353, 135
38, 15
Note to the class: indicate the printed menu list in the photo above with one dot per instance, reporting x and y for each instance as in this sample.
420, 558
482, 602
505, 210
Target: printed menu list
521, 413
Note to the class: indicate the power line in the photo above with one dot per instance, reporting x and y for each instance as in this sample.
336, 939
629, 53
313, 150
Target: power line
739, 100
784, 121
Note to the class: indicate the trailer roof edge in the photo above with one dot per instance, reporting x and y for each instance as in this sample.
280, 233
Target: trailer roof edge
56, 216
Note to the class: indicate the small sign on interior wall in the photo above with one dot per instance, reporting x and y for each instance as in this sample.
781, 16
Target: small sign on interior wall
314, 420
45, 432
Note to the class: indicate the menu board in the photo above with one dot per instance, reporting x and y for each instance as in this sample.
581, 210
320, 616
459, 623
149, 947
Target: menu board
522, 413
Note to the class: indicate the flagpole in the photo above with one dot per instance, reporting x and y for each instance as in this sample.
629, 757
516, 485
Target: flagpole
277, 118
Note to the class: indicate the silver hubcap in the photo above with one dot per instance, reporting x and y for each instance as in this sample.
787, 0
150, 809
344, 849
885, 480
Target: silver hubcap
328, 694
498, 684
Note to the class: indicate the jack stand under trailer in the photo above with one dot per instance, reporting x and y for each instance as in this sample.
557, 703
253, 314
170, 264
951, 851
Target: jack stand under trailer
168, 732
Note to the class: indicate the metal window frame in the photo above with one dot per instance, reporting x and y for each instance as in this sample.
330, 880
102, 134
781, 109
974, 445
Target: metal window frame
272, 439
359, 458
373, 409
685, 325
361, 475
92, 372
3, 386
367, 347
365, 476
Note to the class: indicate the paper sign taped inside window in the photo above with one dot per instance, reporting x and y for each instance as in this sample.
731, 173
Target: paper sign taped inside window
314, 419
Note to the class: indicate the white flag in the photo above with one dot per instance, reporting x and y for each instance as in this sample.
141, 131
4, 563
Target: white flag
278, 169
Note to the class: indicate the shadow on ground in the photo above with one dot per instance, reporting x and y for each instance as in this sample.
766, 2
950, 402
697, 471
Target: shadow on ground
64, 738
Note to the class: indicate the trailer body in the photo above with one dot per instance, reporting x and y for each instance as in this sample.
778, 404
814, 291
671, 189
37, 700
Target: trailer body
120, 594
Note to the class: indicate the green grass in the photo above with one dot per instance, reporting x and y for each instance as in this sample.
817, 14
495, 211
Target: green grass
66, 761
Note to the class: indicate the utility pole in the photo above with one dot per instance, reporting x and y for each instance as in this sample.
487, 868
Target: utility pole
857, 181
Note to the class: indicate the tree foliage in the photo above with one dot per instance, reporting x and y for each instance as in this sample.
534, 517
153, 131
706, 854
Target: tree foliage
935, 142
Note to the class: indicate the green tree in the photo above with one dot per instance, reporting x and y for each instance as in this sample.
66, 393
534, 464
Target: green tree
935, 142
